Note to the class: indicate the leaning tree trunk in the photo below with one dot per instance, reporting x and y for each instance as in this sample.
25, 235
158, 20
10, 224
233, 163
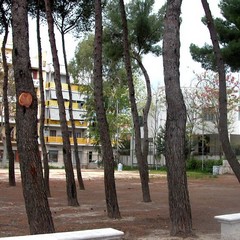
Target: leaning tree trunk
107, 152
42, 110
223, 121
179, 203
36, 202
145, 113
70, 181
144, 175
75, 144
10, 153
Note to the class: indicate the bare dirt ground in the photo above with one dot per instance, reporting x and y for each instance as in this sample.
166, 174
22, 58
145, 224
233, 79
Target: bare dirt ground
209, 197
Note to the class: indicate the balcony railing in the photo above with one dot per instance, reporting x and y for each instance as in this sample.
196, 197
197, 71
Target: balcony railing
53, 103
74, 87
59, 140
56, 122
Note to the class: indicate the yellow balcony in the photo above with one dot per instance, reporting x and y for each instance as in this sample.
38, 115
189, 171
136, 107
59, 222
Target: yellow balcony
53, 103
80, 124
50, 85
52, 122
75, 88
75, 105
57, 122
54, 139
81, 141
58, 140
64, 86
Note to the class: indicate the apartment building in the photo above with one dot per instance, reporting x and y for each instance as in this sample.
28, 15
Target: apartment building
52, 129
53, 135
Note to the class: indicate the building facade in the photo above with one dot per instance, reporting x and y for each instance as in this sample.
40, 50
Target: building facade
52, 129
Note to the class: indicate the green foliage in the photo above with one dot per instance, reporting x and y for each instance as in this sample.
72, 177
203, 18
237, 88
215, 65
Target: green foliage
160, 142
145, 27
55, 167
81, 66
5, 15
228, 30
74, 14
116, 100
236, 149
196, 165
204, 55
197, 175
124, 146
145, 30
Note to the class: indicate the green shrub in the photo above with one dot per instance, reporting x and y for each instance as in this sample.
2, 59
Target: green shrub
196, 165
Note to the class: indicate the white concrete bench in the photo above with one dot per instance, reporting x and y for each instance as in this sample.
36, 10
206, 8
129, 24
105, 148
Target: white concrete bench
98, 234
230, 226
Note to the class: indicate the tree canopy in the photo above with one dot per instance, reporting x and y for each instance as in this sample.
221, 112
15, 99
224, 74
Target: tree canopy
116, 99
228, 29
145, 28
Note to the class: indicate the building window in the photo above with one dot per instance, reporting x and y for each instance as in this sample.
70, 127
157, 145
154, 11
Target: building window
53, 133
78, 135
203, 145
53, 156
209, 114
80, 105
34, 74
1, 155
140, 119
90, 157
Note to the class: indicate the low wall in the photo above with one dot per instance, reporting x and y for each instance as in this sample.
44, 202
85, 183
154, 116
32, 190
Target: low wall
93, 234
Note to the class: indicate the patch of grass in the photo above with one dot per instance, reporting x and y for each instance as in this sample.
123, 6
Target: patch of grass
152, 171
198, 174
55, 167
193, 174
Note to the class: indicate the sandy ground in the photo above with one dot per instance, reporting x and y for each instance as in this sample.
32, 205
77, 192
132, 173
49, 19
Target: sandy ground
210, 196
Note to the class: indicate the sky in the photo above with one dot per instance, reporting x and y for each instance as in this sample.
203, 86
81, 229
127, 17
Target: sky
192, 30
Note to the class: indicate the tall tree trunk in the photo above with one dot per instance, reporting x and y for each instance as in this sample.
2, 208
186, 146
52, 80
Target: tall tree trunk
142, 164
75, 144
42, 110
10, 153
179, 203
223, 121
70, 181
107, 152
36, 202
145, 112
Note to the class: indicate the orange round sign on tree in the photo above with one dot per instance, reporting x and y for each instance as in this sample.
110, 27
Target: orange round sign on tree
25, 99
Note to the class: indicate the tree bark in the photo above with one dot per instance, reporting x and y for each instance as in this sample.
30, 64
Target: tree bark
70, 181
223, 121
142, 164
75, 144
179, 204
107, 152
36, 202
145, 111
42, 110
10, 153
